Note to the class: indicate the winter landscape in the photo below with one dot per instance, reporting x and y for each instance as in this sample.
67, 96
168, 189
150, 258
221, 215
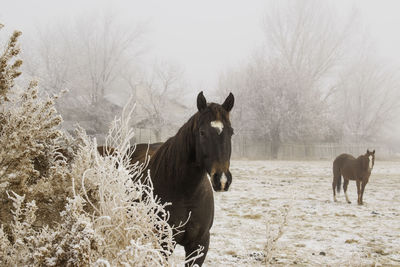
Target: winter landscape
185, 133
296, 196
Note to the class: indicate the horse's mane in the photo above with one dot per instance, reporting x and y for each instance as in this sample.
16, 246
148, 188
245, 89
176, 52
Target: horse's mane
170, 161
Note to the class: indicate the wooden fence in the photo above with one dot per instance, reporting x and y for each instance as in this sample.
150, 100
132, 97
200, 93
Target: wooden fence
256, 149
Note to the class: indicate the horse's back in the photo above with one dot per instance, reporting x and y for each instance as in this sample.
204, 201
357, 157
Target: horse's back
341, 160
141, 150
345, 165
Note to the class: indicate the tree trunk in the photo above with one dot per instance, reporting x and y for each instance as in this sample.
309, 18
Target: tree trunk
157, 134
275, 143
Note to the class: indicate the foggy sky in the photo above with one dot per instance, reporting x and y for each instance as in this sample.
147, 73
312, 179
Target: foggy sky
204, 37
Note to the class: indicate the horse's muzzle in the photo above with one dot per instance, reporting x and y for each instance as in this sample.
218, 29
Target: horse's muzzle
221, 181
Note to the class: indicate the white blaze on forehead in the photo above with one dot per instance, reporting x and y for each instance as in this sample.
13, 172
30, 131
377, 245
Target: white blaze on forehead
217, 125
370, 161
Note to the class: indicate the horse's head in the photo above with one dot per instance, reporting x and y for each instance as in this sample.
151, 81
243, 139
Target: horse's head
371, 159
213, 133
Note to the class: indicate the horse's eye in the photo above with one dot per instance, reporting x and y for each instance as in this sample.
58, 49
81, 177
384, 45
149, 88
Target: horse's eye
202, 133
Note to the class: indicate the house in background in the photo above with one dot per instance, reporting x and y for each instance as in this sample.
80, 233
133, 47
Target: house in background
155, 117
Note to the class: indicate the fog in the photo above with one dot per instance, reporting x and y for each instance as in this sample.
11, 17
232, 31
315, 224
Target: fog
203, 37
336, 90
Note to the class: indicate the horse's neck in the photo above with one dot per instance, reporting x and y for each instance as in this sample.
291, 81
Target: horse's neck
173, 167
363, 167
179, 182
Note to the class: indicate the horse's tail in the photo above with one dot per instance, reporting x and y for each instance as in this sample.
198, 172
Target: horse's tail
339, 181
337, 176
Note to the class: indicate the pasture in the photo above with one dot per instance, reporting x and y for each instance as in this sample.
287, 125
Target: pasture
317, 230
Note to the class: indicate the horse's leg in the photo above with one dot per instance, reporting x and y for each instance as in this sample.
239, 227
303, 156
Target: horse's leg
334, 188
190, 250
345, 184
358, 182
362, 192
337, 177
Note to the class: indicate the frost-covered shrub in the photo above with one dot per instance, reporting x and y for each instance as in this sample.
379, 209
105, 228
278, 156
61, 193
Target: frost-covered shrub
29, 132
275, 232
62, 203
9, 66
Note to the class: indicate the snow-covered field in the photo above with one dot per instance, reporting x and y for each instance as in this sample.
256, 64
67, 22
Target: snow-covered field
317, 230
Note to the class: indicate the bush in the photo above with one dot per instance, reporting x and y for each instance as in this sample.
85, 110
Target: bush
62, 203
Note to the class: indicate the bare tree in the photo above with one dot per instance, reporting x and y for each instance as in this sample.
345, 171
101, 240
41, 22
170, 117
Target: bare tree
274, 108
284, 83
107, 47
367, 99
306, 36
161, 99
49, 57
89, 58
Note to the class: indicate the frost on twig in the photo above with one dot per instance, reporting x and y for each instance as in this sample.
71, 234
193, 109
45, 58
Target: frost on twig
275, 232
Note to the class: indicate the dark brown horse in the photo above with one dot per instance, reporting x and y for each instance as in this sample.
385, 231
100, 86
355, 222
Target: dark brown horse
179, 169
352, 169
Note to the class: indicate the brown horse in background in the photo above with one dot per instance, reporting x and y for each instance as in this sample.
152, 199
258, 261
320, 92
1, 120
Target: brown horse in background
352, 169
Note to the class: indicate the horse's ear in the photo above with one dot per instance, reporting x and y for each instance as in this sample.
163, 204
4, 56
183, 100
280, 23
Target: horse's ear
373, 152
228, 103
201, 102
367, 151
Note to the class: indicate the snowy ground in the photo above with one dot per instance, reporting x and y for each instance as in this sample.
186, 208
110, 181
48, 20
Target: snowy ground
317, 230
